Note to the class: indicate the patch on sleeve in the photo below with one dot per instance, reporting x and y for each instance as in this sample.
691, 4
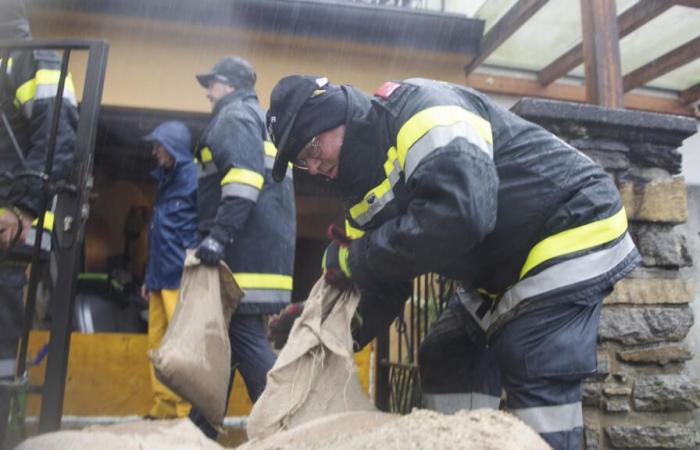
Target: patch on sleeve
386, 89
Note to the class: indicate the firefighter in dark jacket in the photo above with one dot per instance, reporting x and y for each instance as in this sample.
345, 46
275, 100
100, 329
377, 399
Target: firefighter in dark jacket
27, 91
438, 178
245, 218
172, 230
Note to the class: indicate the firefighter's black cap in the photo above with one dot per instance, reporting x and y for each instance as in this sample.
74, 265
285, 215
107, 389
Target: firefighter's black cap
288, 97
231, 70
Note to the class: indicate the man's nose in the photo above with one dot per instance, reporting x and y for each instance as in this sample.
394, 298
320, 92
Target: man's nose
314, 166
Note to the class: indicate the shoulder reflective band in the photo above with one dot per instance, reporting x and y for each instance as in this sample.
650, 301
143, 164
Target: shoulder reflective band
378, 197
264, 281
270, 154
437, 126
352, 232
206, 169
205, 155
43, 85
48, 221
576, 239
239, 182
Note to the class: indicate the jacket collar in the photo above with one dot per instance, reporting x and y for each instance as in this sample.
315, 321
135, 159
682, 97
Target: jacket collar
361, 158
238, 94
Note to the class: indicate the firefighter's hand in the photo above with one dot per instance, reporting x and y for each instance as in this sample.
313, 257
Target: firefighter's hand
336, 270
210, 251
280, 325
14, 226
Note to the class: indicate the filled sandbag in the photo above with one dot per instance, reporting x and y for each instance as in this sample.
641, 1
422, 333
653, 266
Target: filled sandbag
315, 373
321, 430
141, 435
482, 429
194, 358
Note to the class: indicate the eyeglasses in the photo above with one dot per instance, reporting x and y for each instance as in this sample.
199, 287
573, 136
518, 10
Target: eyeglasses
312, 150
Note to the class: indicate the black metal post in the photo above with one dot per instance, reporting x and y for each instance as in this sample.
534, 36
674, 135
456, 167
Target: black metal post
381, 396
30, 306
71, 215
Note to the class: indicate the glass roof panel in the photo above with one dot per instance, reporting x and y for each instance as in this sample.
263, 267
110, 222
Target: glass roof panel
556, 28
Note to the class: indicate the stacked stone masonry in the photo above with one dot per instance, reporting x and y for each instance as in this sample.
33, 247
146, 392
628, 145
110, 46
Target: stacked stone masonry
642, 397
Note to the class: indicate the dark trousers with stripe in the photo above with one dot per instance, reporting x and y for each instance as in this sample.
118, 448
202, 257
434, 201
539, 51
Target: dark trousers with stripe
539, 359
12, 281
253, 358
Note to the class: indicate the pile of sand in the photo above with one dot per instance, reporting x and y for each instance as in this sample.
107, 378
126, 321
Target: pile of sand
421, 430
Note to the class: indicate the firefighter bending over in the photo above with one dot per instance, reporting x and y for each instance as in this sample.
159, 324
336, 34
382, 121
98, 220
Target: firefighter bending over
438, 178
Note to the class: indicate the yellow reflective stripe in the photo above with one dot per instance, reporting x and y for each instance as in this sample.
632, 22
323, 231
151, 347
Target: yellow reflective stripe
243, 176
205, 155
48, 221
27, 90
352, 232
270, 149
343, 261
436, 116
264, 281
576, 239
380, 190
9, 64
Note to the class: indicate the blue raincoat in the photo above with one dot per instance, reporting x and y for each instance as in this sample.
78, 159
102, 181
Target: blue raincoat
173, 225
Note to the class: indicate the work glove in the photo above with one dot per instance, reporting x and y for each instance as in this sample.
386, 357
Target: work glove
210, 251
280, 325
336, 270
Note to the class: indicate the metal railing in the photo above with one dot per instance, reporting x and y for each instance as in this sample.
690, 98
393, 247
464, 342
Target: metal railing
398, 382
71, 213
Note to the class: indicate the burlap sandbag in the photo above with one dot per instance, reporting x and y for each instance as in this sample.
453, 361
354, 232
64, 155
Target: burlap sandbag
315, 373
142, 435
194, 358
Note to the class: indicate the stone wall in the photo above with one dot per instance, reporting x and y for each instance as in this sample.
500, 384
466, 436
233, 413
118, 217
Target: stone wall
643, 396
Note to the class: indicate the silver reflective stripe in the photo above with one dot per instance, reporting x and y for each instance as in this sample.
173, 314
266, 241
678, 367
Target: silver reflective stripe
7, 367
564, 274
45, 239
440, 136
206, 169
551, 419
269, 162
267, 296
240, 190
452, 402
379, 203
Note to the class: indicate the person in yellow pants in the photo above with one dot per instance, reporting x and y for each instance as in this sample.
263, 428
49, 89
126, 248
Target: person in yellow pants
161, 307
172, 230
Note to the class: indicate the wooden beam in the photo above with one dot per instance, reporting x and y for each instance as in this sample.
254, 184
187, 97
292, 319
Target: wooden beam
691, 95
601, 53
633, 18
503, 29
672, 60
518, 87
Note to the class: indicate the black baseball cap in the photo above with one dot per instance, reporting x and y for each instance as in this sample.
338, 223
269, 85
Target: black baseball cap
231, 70
323, 107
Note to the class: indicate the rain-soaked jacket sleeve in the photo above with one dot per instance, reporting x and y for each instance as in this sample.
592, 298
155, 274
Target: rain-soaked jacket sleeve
452, 186
37, 83
237, 149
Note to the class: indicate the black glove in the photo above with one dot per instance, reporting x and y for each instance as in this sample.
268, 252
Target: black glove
210, 251
336, 270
